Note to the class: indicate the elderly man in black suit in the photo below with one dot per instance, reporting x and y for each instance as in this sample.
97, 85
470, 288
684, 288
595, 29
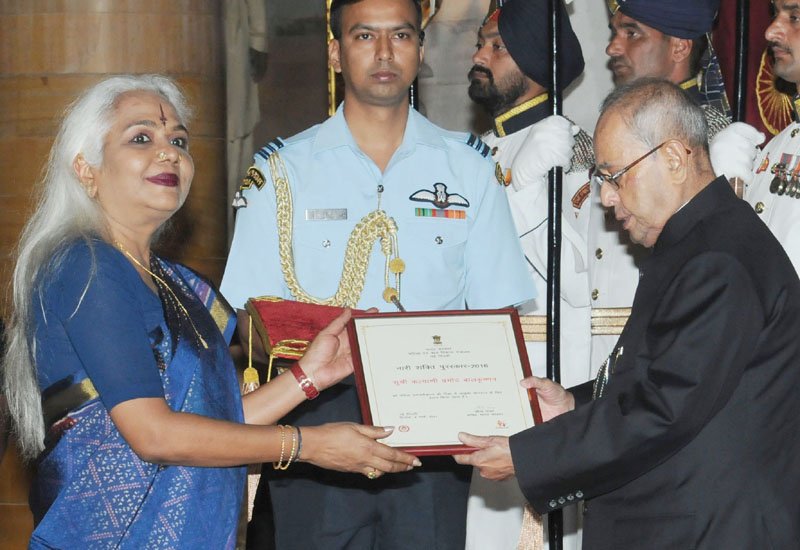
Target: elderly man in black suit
690, 436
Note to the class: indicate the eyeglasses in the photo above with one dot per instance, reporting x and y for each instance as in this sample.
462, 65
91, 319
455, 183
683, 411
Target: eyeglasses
600, 178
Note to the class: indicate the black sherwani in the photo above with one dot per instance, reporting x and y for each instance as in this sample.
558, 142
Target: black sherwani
696, 440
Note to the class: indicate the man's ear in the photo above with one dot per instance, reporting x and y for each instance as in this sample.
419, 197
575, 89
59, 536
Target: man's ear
335, 55
85, 175
681, 49
677, 160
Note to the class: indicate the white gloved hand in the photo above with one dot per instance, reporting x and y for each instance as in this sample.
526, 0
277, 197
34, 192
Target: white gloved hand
548, 144
733, 151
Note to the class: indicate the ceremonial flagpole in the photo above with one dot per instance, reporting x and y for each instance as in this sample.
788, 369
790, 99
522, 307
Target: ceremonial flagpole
555, 520
740, 74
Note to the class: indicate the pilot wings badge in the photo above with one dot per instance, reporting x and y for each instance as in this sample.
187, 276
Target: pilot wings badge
439, 197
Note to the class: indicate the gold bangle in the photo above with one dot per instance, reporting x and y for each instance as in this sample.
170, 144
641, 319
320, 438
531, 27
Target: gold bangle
293, 452
279, 465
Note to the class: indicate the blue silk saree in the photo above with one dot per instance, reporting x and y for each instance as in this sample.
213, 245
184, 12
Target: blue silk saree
92, 491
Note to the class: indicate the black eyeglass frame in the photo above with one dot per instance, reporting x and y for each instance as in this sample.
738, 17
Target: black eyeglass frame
600, 178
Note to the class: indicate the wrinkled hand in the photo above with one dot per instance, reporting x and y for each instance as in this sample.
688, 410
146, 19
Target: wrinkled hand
733, 151
553, 398
327, 359
493, 457
548, 144
348, 447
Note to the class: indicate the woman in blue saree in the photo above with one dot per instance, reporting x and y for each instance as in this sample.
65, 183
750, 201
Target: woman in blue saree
117, 371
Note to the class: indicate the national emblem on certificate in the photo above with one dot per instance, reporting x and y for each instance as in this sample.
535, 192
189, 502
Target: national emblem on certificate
434, 374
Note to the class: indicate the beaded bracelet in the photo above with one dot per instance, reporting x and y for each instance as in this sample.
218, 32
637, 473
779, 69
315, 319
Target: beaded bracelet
280, 465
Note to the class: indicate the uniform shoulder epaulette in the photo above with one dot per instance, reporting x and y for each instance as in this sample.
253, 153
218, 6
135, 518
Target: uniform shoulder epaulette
715, 119
477, 143
272, 147
254, 177
582, 153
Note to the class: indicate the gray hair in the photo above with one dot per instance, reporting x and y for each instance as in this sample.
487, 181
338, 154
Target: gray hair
63, 214
656, 110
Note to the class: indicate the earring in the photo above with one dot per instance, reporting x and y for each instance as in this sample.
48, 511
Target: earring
162, 155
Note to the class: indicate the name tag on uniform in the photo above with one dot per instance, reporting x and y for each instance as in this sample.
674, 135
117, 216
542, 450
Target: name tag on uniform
326, 214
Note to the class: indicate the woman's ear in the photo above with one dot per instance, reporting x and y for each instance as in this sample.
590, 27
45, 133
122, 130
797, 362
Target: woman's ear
85, 174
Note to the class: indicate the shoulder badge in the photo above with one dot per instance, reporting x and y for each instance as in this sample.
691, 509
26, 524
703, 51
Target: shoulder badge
581, 195
477, 143
254, 177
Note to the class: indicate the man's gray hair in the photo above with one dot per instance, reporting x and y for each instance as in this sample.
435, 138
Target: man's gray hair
656, 110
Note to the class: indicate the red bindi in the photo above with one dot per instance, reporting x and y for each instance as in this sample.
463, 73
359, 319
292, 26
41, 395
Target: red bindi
163, 118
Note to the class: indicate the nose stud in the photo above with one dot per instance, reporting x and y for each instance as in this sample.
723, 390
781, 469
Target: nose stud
162, 155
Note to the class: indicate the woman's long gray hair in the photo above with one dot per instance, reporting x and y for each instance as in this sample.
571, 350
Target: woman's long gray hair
64, 213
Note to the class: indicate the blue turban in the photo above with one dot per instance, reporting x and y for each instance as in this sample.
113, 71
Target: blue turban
523, 26
679, 18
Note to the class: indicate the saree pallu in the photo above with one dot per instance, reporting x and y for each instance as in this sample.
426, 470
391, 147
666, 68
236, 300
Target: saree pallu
93, 491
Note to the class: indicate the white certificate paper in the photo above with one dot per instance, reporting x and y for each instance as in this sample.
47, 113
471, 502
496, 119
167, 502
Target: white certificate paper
434, 375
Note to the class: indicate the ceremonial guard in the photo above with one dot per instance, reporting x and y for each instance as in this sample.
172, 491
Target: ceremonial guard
375, 207
775, 190
511, 79
670, 40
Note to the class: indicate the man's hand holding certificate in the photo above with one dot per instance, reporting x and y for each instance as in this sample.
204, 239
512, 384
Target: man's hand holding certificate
435, 374
493, 455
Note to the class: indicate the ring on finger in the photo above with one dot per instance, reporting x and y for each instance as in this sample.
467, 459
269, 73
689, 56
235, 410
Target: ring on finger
373, 474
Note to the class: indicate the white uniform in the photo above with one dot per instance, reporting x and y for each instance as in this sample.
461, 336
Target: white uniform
613, 272
781, 213
495, 510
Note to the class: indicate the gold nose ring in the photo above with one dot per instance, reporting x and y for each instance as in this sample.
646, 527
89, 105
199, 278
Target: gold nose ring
162, 155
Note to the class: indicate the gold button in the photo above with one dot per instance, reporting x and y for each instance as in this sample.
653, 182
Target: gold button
595, 294
759, 207
599, 253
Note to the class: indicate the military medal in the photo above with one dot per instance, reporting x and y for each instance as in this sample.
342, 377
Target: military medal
779, 170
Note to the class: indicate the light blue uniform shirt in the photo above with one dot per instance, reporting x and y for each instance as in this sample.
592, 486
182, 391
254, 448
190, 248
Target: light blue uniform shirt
451, 263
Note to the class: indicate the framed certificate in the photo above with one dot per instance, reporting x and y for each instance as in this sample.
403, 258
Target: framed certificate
434, 374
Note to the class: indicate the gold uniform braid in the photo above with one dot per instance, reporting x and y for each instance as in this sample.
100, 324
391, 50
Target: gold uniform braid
375, 225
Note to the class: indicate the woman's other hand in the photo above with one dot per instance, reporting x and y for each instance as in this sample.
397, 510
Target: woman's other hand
348, 447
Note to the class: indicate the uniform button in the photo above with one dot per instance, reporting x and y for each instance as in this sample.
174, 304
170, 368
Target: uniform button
562, 500
578, 494
599, 253
595, 294
552, 504
326, 244
759, 207
570, 497
439, 240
